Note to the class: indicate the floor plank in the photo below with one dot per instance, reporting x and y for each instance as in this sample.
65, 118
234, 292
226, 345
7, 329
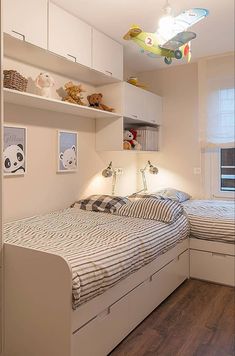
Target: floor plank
198, 319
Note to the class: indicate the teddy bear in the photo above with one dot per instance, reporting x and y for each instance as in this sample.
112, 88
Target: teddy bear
69, 159
95, 101
45, 82
130, 141
73, 93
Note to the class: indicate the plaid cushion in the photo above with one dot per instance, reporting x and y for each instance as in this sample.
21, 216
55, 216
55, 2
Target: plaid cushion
102, 203
164, 210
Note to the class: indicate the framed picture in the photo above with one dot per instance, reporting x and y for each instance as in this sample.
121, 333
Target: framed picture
67, 151
14, 150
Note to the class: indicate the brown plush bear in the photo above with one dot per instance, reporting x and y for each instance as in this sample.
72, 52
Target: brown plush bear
95, 102
73, 93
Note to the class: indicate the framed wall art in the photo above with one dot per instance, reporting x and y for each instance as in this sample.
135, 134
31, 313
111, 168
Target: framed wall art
14, 150
67, 151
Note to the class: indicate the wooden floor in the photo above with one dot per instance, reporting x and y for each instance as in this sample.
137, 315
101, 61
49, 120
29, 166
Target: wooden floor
198, 319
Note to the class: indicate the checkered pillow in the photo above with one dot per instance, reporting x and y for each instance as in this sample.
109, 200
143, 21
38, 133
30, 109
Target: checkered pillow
102, 203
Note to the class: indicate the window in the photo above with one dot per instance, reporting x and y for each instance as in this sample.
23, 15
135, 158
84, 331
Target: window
227, 169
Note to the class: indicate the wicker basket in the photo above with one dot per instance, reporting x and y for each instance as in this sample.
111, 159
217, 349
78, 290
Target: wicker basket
14, 80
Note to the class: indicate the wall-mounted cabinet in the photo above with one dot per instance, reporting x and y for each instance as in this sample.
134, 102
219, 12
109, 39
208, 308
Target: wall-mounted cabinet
107, 55
68, 36
26, 20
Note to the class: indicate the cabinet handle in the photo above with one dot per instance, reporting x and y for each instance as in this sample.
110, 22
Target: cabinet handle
107, 71
70, 55
134, 115
18, 33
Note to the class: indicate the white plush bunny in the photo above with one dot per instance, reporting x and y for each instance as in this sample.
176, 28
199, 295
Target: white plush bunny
45, 82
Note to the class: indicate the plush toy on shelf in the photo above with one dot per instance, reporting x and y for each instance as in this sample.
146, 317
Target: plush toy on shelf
73, 93
129, 140
95, 101
45, 82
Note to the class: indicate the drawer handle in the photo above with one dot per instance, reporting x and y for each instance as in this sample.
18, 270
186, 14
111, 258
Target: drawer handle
104, 313
134, 115
215, 254
70, 55
107, 71
18, 33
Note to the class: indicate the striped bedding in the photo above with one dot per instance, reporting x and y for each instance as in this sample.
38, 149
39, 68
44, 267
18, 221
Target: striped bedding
211, 220
100, 248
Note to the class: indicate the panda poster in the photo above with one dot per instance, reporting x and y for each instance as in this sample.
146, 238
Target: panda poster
14, 151
67, 151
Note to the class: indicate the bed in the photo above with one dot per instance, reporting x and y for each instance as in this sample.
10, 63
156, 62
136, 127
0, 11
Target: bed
212, 240
74, 276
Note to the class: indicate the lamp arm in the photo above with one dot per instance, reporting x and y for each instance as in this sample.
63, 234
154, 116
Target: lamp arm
114, 181
144, 180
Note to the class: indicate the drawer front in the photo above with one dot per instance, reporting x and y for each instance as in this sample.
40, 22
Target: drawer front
213, 267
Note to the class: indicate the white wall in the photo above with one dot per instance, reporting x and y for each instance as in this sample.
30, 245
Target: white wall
42, 189
180, 149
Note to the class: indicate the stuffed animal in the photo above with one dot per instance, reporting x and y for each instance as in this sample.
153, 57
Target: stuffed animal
130, 137
14, 159
73, 93
45, 82
68, 158
95, 101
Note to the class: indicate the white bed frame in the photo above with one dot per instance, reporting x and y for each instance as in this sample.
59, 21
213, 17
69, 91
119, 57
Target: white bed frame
212, 261
39, 320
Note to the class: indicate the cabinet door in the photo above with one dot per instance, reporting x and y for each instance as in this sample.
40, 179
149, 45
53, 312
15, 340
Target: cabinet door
134, 102
69, 36
107, 55
153, 108
26, 19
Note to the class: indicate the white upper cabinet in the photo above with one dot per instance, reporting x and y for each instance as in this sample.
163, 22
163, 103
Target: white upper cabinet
133, 102
107, 55
26, 20
153, 108
69, 36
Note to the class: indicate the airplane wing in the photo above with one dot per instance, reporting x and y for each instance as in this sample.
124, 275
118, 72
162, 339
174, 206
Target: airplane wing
179, 40
189, 18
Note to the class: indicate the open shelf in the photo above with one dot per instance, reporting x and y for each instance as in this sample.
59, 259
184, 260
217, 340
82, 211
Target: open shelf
39, 102
39, 57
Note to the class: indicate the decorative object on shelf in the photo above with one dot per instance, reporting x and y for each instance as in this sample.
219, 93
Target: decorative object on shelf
129, 140
14, 80
74, 93
111, 172
67, 151
135, 81
148, 137
95, 101
14, 151
151, 169
45, 82
171, 40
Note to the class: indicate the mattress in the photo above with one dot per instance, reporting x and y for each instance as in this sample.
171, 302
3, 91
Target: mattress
211, 220
100, 248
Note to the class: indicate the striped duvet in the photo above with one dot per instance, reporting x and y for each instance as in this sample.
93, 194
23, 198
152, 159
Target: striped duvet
211, 220
100, 248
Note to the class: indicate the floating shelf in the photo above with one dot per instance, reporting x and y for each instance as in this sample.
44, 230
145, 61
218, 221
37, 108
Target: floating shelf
39, 57
39, 102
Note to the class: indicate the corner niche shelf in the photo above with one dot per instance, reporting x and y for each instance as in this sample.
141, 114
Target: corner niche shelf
35, 101
28, 53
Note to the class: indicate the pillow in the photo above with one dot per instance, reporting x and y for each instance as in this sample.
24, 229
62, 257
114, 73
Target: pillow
153, 209
102, 203
173, 194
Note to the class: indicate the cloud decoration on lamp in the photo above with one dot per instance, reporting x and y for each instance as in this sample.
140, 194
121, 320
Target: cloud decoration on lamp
148, 168
111, 172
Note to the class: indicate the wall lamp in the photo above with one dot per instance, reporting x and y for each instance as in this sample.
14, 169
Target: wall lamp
112, 172
148, 168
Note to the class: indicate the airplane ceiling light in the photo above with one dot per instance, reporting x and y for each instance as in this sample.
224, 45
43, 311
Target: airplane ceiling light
172, 38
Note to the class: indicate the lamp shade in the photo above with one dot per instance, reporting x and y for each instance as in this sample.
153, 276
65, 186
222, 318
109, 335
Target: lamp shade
108, 172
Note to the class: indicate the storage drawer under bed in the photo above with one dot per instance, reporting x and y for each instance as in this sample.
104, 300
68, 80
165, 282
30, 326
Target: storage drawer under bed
104, 332
212, 266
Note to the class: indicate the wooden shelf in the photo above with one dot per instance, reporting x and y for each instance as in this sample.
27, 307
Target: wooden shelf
44, 59
39, 102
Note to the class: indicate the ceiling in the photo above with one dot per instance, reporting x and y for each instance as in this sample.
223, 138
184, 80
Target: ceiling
215, 34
